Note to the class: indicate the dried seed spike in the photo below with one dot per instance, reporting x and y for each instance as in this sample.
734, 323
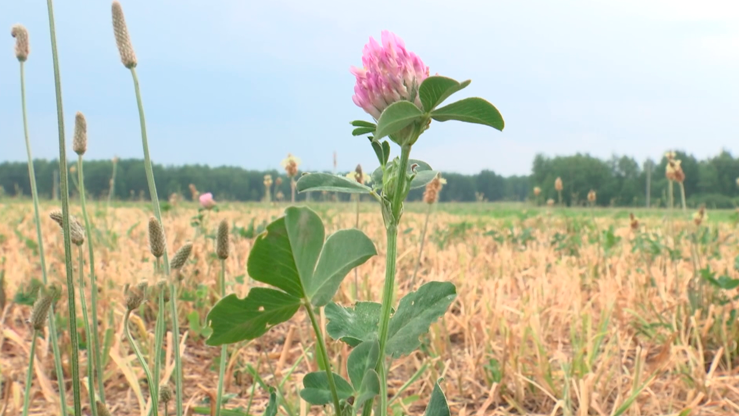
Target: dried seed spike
122, 39
135, 295
181, 256
22, 46
79, 145
40, 311
558, 184
222, 240
76, 230
102, 409
157, 242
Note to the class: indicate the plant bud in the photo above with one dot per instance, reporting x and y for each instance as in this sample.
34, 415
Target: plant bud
135, 295
222, 240
157, 242
79, 145
181, 256
22, 48
122, 40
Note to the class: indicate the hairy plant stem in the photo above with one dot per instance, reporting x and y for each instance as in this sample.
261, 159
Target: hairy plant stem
388, 291
356, 269
149, 379
96, 356
86, 323
158, 214
64, 190
39, 238
29, 374
321, 347
224, 348
420, 248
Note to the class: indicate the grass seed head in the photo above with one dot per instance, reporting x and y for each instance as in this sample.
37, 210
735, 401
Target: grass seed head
122, 39
157, 242
39, 314
431, 193
591, 196
79, 145
222, 240
700, 216
135, 295
102, 409
76, 230
165, 393
290, 164
558, 184
181, 256
22, 47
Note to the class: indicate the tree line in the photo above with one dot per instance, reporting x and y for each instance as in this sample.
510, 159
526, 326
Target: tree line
618, 181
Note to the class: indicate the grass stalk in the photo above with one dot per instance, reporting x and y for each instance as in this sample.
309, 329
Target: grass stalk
154, 395
158, 214
86, 323
111, 192
224, 347
39, 238
159, 331
96, 355
420, 248
64, 188
29, 374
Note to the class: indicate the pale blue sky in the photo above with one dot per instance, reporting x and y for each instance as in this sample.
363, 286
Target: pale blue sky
243, 83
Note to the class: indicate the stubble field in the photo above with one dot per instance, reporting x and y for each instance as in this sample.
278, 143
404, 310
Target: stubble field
558, 311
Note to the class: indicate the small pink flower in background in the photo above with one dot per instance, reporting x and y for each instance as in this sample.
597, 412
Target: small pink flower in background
389, 74
207, 201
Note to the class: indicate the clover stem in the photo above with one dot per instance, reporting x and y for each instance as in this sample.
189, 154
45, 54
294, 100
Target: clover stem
321, 346
388, 294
